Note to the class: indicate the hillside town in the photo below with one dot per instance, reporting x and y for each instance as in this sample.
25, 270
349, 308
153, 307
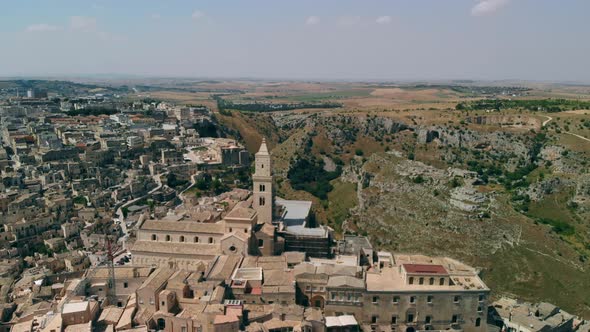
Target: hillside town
120, 215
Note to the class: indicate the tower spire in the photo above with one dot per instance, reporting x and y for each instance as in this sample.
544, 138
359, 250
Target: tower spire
263, 150
262, 180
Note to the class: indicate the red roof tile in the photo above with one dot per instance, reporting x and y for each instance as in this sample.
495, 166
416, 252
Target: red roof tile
424, 269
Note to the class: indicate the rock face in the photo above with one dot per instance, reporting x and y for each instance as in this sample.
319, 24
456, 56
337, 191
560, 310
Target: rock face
519, 121
402, 213
538, 191
427, 136
582, 192
468, 199
345, 129
329, 164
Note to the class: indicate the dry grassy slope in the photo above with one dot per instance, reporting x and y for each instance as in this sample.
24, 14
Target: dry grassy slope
252, 128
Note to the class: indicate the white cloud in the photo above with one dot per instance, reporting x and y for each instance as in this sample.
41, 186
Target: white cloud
349, 20
383, 20
312, 20
42, 27
197, 14
487, 7
83, 23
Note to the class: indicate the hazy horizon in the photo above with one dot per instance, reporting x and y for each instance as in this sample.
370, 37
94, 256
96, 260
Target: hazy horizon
482, 40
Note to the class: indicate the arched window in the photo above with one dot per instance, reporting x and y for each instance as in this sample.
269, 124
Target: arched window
411, 280
231, 229
196, 239
431, 281
428, 320
182, 238
442, 281
421, 280
478, 322
161, 324
154, 237
167, 237
262, 188
210, 240
261, 201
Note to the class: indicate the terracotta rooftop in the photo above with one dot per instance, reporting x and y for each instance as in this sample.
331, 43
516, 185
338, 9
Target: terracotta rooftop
183, 226
425, 269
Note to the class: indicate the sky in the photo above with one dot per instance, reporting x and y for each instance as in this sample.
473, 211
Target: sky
543, 40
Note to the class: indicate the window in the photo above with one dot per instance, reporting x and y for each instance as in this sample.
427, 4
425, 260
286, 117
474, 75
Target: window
375, 299
410, 317
396, 299
411, 280
232, 248
481, 297
412, 299
183, 329
456, 299
429, 298
196, 239
478, 322
308, 287
431, 282
163, 303
167, 237
154, 237
442, 281
421, 281
182, 238
454, 319
479, 309
428, 319
333, 296
261, 201
161, 324
210, 240
125, 285
349, 297
393, 319
245, 230
374, 319
260, 243
231, 229
262, 188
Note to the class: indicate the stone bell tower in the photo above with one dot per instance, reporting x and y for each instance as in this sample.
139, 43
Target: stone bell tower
262, 179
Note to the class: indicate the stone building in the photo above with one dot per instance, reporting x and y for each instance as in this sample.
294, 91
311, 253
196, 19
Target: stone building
263, 191
416, 292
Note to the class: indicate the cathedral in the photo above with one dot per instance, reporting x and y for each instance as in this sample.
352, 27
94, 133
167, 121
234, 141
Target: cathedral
260, 225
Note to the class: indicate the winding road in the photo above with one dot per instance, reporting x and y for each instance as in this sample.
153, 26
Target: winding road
549, 119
